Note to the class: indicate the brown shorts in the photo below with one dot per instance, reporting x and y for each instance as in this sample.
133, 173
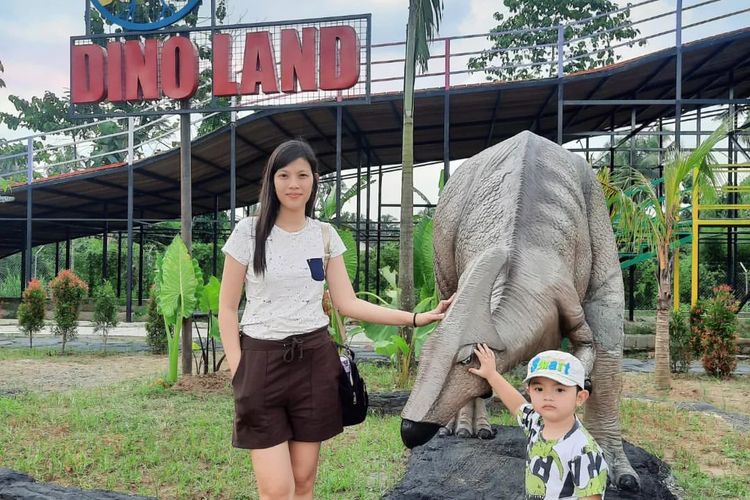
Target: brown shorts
286, 390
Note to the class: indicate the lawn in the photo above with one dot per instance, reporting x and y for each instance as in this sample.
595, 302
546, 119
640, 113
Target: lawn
141, 437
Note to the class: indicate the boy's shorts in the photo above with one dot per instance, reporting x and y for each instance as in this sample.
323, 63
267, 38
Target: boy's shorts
286, 390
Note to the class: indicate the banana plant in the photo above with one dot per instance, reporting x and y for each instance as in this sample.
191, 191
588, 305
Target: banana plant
179, 284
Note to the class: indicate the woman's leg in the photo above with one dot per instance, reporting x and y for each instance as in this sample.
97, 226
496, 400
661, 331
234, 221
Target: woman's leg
304, 457
273, 472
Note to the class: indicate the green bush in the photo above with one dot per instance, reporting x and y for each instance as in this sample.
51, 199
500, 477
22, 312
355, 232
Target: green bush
68, 292
31, 310
680, 350
156, 333
717, 327
105, 310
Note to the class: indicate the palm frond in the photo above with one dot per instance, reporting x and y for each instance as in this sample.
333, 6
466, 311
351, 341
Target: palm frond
428, 16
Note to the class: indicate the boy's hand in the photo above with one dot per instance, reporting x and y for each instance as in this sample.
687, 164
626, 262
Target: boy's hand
486, 359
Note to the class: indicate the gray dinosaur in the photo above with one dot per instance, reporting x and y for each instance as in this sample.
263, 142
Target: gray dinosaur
522, 235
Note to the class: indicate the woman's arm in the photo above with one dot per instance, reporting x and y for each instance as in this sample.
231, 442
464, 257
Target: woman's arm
344, 299
232, 280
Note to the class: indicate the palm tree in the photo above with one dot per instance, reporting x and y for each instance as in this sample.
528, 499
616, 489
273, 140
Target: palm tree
645, 219
424, 22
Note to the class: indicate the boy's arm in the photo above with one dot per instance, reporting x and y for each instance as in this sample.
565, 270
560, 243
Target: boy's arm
508, 394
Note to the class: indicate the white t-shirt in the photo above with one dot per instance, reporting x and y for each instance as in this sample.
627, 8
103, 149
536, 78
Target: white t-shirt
566, 468
287, 300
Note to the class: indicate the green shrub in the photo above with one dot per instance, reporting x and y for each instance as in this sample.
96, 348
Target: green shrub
680, 350
68, 292
31, 310
105, 310
717, 325
156, 333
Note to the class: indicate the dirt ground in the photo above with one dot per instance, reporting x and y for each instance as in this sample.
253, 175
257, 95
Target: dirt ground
83, 371
730, 395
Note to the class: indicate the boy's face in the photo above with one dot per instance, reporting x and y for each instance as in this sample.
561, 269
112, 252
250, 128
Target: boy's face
554, 401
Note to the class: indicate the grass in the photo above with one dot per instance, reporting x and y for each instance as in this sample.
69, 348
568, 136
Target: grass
144, 438
708, 458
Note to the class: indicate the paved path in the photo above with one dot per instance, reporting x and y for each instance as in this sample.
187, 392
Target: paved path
130, 337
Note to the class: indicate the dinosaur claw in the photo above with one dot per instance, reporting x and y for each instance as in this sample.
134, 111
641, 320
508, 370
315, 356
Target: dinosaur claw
627, 482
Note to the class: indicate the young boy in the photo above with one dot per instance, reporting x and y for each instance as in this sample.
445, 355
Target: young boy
562, 459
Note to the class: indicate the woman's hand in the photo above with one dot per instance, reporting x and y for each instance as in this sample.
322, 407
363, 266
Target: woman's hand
487, 365
436, 314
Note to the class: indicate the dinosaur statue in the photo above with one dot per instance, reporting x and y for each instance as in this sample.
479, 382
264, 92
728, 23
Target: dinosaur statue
523, 237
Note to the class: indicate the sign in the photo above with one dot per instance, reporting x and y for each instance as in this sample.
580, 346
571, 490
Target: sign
294, 63
144, 15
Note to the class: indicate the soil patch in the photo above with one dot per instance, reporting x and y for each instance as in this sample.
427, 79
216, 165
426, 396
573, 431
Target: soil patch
210, 383
76, 372
729, 395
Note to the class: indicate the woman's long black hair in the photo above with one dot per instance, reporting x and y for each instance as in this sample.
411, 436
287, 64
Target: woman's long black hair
282, 156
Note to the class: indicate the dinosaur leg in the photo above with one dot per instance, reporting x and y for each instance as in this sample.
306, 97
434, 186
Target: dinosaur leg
482, 427
449, 429
602, 418
465, 421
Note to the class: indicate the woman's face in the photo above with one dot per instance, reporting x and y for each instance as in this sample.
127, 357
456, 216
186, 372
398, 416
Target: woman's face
294, 184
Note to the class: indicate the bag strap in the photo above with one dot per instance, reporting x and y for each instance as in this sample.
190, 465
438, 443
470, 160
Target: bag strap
326, 244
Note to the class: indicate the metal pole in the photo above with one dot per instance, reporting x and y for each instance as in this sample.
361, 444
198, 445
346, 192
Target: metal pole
29, 206
186, 219
129, 270
22, 274
447, 113
560, 90
140, 262
119, 264
215, 256
678, 74
232, 164
367, 227
87, 14
338, 164
57, 257
105, 248
357, 219
380, 214
631, 293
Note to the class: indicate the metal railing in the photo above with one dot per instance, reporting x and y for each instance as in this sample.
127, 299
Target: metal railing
450, 65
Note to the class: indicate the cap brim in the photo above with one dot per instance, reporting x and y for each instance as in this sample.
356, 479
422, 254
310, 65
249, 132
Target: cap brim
557, 377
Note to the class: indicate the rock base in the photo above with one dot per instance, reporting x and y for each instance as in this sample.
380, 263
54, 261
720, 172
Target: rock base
14, 485
473, 469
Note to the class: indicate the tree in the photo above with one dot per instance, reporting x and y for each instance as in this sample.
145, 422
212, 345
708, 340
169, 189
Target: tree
2, 83
31, 310
639, 213
521, 40
105, 310
423, 25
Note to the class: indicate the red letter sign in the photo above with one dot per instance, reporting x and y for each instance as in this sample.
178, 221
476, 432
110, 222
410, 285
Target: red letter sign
87, 74
179, 68
298, 62
259, 67
115, 89
141, 67
339, 58
224, 83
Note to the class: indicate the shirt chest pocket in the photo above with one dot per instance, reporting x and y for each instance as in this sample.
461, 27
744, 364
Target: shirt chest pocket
315, 265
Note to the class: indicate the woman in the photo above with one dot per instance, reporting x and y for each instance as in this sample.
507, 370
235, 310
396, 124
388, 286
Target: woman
284, 364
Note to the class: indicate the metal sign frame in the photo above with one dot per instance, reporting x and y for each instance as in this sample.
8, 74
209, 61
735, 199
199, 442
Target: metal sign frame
165, 106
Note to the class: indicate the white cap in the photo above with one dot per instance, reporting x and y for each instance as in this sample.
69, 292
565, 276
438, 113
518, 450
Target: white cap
559, 366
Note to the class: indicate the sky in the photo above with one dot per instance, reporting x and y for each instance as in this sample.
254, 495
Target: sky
34, 39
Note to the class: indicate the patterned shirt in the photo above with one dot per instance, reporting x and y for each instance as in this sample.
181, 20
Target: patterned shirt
566, 468
287, 299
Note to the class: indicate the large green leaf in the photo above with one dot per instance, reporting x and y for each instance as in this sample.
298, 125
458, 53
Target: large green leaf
178, 284
210, 297
424, 274
350, 256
